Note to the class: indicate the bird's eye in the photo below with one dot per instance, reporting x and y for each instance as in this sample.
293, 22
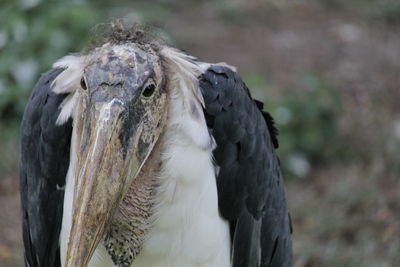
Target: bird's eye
149, 90
83, 84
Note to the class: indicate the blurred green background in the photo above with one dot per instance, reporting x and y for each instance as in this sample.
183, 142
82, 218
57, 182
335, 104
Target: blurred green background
328, 71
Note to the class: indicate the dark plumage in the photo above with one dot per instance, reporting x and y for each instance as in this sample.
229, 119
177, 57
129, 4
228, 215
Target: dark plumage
43, 166
250, 188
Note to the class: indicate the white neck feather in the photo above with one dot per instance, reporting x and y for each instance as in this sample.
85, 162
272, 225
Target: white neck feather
187, 230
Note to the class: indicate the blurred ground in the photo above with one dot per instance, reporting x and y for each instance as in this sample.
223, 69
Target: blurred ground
329, 73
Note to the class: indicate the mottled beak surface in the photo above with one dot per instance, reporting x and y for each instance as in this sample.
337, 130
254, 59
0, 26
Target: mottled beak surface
122, 113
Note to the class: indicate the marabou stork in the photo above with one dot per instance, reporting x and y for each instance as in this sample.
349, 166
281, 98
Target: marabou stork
137, 154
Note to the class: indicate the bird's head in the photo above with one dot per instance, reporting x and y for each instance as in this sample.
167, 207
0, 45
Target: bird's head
120, 115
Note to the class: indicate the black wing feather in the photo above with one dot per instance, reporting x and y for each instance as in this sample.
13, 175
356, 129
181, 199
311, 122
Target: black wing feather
44, 161
250, 188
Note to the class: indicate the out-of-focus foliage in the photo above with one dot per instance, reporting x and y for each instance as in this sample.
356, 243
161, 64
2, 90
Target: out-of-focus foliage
33, 34
9, 133
307, 122
387, 11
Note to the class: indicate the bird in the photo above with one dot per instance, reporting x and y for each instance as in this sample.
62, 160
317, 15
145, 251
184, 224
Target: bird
135, 153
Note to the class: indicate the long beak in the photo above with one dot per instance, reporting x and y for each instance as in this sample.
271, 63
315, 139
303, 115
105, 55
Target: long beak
106, 167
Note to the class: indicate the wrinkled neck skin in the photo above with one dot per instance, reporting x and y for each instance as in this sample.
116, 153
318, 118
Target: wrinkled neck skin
132, 220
